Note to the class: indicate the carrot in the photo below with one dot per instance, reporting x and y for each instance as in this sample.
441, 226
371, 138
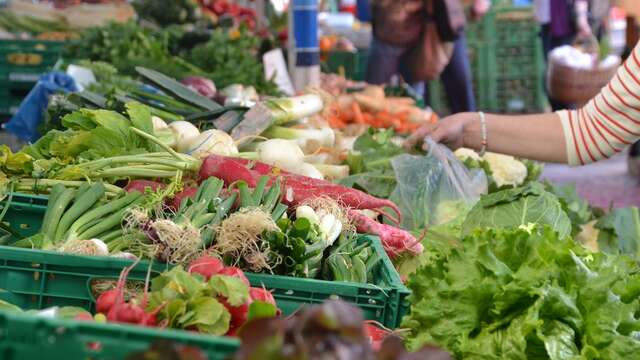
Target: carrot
369, 102
357, 113
368, 118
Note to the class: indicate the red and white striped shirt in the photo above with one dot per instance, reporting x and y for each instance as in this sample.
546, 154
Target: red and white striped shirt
609, 122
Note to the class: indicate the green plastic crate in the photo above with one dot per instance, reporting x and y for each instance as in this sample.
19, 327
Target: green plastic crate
350, 64
60, 279
23, 61
25, 213
29, 337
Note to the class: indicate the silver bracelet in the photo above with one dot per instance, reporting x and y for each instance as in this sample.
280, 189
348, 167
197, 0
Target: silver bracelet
483, 129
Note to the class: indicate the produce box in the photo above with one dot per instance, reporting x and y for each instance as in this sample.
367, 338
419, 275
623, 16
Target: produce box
23, 61
352, 65
35, 279
29, 337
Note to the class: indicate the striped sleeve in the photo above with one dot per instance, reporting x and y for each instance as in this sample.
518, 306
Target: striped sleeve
610, 121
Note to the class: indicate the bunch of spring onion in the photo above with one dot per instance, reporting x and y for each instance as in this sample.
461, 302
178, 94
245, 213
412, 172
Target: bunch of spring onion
82, 220
179, 237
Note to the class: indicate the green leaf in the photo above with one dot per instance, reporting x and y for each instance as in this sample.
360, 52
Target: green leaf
210, 317
620, 232
232, 288
18, 163
140, 116
517, 207
78, 120
176, 88
260, 309
174, 311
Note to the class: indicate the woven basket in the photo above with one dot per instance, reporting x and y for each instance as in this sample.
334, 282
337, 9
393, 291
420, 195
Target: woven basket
578, 86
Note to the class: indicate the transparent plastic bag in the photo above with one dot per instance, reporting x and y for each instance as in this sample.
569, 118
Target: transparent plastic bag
436, 189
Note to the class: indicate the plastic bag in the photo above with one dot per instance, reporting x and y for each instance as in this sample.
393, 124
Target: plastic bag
436, 189
24, 124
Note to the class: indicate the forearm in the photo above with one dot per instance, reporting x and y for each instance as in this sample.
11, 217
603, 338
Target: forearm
537, 137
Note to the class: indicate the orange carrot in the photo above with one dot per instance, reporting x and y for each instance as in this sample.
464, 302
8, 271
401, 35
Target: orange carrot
357, 113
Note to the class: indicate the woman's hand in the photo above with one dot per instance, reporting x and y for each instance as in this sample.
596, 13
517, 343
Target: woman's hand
448, 131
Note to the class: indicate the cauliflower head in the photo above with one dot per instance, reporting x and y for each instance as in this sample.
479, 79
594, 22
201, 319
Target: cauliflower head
463, 154
506, 170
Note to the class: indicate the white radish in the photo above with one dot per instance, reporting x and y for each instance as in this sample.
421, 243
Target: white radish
158, 124
184, 132
285, 154
309, 170
306, 212
211, 142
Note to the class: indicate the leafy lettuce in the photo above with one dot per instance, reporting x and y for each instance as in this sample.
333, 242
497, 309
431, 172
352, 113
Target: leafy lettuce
516, 294
514, 208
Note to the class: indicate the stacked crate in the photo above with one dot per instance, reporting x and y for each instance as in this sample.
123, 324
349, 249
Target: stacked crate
519, 62
507, 63
21, 64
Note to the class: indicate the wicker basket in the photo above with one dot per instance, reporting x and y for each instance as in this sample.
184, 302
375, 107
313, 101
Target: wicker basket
578, 86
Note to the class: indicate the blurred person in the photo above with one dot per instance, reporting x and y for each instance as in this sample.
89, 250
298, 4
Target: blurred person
397, 27
560, 22
607, 125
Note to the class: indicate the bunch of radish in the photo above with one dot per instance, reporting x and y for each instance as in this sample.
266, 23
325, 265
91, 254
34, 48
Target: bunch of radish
113, 304
208, 266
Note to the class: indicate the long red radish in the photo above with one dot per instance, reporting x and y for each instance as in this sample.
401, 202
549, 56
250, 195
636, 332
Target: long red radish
394, 240
297, 189
106, 300
187, 193
142, 185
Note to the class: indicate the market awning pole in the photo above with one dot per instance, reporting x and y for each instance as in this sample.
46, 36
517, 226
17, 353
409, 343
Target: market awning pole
304, 53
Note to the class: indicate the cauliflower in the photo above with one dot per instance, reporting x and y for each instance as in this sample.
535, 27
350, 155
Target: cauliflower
464, 154
506, 170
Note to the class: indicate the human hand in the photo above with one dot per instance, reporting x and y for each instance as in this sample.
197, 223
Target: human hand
480, 8
448, 131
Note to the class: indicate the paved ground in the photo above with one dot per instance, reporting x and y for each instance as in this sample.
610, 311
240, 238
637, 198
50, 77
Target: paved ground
602, 184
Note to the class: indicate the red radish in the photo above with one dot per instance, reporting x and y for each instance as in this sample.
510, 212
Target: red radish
188, 193
142, 185
297, 189
106, 300
239, 314
130, 313
262, 294
235, 272
375, 334
207, 266
84, 317
394, 240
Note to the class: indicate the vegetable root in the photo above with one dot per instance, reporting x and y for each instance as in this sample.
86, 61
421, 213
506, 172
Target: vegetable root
239, 237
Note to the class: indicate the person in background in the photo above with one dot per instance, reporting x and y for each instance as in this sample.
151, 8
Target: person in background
607, 125
560, 22
391, 45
